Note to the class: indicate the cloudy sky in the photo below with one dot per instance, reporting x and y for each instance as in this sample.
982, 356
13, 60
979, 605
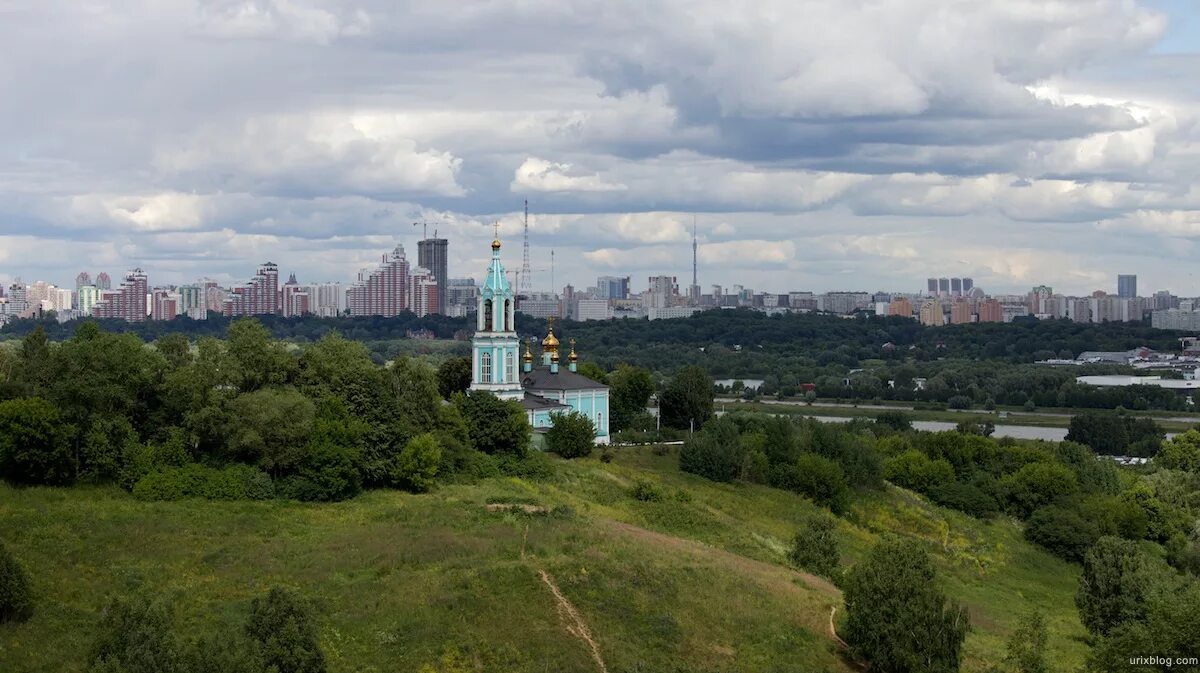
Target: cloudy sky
840, 144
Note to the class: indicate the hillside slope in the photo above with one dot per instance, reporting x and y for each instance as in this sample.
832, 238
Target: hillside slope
399, 581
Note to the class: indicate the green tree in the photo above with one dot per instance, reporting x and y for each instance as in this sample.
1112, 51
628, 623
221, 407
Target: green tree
136, 636
715, 452
895, 420
592, 371
1114, 587
631, 388
914, 470
417, 464
815, 546
270, 427
453, 376
1063, 531
16, 596
816, 477
571, 435
1181, 452
1027, 645
176, 349
1038, 484
497, 426
35, 443
260, 361
281, 627
687, 400
897, 617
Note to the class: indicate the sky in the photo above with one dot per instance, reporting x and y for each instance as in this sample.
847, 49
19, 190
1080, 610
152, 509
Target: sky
817, 145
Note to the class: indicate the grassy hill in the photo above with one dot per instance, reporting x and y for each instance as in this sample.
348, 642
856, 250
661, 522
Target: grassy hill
697, 582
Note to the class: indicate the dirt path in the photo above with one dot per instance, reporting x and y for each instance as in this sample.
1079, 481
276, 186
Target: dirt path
576, 626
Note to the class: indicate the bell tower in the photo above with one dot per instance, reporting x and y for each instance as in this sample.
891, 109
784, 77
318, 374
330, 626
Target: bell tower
495, 356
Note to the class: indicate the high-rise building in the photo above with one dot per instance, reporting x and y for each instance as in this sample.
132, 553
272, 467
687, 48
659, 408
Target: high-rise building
191, 302
960, 312
103, 282
432, 254
384, 290
424, 292
931, 286
900, 306
931, 314
259, 297
83, 279
956, 287
461, 293
943, 286
128, 303
990, 310
87, 296
165, 305
662, 292
293, 298
1127, 286
18, 300
968, 284
327, 300
612, 287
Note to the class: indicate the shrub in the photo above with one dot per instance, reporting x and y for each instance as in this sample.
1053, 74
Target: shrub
417, 465
327, 473
714, 452
1036, 485
1062, 531
819, 478
894, 420
281, 628
35, 443
1114, 586
571, 435
135, 636
647, 491
967, 498
914, 470
896, 616
815, 547
1027, 645
236, 482
959, 402
16, 598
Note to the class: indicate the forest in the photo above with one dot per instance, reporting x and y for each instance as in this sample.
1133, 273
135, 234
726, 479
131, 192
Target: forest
858, 358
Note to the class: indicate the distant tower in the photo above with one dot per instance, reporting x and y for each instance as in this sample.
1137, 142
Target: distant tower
694, 290
695, 281
526, 281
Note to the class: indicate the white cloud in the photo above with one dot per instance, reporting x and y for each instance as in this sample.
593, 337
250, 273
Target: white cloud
539, 175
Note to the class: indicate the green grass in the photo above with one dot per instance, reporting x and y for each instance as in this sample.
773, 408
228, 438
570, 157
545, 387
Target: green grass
399, 581
949, 416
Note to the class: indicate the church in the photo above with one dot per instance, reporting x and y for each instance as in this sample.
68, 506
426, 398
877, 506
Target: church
543, 389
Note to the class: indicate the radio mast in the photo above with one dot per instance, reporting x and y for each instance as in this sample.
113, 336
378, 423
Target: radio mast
526, 280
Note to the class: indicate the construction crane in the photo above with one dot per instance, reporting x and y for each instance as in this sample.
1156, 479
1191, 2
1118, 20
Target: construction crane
425, 229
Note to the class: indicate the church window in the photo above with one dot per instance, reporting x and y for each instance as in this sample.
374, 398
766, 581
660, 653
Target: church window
599, 421
510, 367
485, 367
487, 313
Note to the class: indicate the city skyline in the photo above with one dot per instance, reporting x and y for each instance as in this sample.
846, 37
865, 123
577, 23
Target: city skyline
825, 146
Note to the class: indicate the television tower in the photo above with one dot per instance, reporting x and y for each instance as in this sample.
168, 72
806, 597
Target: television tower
526, 280
694, 278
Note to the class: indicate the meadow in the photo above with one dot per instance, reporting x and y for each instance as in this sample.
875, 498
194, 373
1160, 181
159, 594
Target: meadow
442, 582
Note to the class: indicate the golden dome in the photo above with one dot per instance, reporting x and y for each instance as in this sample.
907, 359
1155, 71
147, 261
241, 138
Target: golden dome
554, 356
528, 356
550, 343
572, 357
495, 244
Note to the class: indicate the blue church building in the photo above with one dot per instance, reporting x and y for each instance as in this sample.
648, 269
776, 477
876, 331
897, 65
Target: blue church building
543, 388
